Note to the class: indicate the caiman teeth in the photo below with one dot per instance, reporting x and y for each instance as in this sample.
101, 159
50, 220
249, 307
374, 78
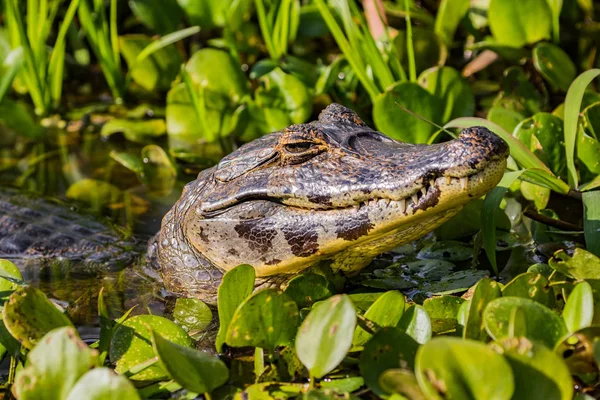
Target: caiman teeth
414, 198
402, 204
448, 180
424, 191
431, 183
464, 182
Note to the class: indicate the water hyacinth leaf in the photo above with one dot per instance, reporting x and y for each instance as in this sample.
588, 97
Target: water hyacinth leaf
266, 319
538, 194
541, 324
325, 336
10, 276
343, 385
102, 384
554, 65
447, 84
386, 311
575, 96
362, 301
192, 315
94, 192
135, 130
194, 370
451, 368
161, 16
388, 348
579, 309
455, 282
272, 390
588, 149
531, 286
29, 315
401, 381
131, 345
442, 311
591, 221
579, 350
308, 288
534, 362
510, 21
398, 123
449, 15
416, 323
505, 118
485, 292
54, 366
158, 172
582, 265
132, 162
236, 286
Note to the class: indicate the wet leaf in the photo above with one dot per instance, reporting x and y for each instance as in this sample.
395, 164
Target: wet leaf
538, 323
455, 282
388, 348
510, 21
554, 65
531, 286
398, 123
308, 288
539, 374
325, 336
442, 311
416, 323
158, 172
485, 292
386, 311
579, 309
447, 84
103, 384
194, 370
131, 345
192, 315
583, 264
54, 365
401, 381
452, 368
29, 315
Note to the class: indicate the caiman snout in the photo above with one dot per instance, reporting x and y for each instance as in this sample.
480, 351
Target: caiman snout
480, 141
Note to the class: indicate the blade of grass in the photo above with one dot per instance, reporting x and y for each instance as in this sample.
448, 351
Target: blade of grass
265, 27
572, 107
488, 215
166, 40
12, 64
593, 184
410, 50
591, 221
197, 103
114, 36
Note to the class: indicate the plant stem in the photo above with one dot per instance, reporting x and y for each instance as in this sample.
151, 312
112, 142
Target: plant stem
412, 70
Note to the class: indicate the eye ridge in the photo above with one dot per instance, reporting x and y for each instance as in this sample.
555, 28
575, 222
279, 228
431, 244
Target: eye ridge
299, 147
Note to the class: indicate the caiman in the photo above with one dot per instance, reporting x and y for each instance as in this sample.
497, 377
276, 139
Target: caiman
333, 191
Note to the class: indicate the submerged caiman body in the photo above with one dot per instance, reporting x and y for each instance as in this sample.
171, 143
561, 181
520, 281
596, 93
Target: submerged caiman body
333, 191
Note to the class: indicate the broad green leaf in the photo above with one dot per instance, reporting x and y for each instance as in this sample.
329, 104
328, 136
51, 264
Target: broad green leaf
531, 286
10, 277
554, 65
325, 336
416, 323
591, 220
388, 348
579, 309
161, 16
583, 264
510, 21
401, 381
194, 370
308, 288
442, 311
206, 14
103, 384
505, 118
468, 222
266, 319
539, 374
192, 315
54, 365
236, 285
449, 15
572, 106
29, 315
541, 324
588, 148
131, 345
132, 162
485, 292
447, 84
135, 130
386, 311
453, 368
518, 93
94, 192
399, 124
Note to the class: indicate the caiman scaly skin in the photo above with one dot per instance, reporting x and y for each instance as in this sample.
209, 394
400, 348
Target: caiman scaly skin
333, 190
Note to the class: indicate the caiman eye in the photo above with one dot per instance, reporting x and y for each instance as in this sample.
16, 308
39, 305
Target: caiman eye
299, 147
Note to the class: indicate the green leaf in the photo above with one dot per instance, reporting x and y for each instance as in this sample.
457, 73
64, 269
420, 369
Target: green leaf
10, 277
103, 384
236, 285
54, 366
156, 45
540, 323
531, 286
505, 118
416, 323
131, 346
572, 107
554, 65
161, 16
386, 311
452, 368
266, 319
158, 172
448, 250
192, 315
194, 370
591, 221
579, 350
510, 21
449, 15
442, 311
539, 374
485, 292
29, 315
579, 309
401, 381
388, 348
10, 67
583, 264
325, 336
308, 288
206, 14
447, 84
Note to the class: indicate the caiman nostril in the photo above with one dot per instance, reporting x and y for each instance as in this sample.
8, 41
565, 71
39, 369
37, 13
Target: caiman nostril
483, 138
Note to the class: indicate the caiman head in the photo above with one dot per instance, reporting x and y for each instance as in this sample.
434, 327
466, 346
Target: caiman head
333, 189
